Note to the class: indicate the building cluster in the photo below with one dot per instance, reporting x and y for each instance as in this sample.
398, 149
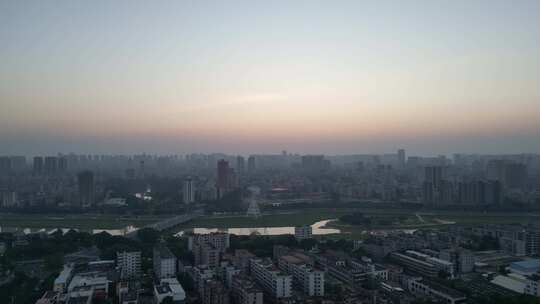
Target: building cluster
87, 280
80, 181
393, 268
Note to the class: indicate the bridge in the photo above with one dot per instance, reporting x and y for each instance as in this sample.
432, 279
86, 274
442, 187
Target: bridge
169, 222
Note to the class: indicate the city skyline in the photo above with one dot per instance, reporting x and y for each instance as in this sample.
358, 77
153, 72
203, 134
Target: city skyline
254, 77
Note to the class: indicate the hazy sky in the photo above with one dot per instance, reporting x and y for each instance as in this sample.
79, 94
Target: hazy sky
262, 76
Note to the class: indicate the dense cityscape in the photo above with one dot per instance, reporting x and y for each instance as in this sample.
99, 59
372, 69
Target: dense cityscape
277, 228
269, 152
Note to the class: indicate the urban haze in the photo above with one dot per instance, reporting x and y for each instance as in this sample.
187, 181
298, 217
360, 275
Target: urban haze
269, 152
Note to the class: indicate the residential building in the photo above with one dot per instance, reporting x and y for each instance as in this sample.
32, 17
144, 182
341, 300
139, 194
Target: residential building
305, 277
274, 282
219, 240
214, 292
164, 262
303, 232
129, 264
245, 291
432, 290
189, 191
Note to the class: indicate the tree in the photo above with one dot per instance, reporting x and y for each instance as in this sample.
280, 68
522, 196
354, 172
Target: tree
54, 261
148, 235
167, 300
443, 274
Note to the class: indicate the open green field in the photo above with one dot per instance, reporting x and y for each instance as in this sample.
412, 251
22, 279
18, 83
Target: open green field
78, 221
408, 219
479, 218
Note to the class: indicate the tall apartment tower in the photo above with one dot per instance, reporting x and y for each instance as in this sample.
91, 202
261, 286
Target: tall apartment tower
189, 191
51, 164
240, 165
251, 164
86, 188
401, 158
37, 165
222, 177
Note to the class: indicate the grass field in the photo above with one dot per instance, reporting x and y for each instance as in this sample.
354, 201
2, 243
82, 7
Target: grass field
284, 218
79, 221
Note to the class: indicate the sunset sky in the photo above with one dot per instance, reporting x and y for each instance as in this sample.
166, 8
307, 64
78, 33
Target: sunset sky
337, 77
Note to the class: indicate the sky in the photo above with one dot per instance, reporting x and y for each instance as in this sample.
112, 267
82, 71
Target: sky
334, 77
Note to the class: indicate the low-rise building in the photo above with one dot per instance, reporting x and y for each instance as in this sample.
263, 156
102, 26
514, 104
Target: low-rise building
245, 291
64, 278
303, 232
169, 287
305, 277
462, 259
220, 240
429, 289
214, 292
274, 282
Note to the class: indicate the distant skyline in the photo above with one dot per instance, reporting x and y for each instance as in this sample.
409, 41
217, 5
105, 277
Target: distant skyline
332, 77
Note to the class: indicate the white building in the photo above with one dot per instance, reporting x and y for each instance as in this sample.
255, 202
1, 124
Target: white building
92, 284
305, 277
189, 191
302, 233
164, 262
129, 264
169, 287
276, 283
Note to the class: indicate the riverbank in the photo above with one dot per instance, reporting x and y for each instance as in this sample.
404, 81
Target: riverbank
76, 221
410, 219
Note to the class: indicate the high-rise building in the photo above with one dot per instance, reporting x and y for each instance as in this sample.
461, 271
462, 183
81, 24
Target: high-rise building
129, 264
240, 165
86, 188
515, 175
222, 177
62, 164
5, 165
495, 170
401, 158
251, 164
480, 192
222, 173
51, 165
189, 191
434, 175
18, 163
37, 165
315, 162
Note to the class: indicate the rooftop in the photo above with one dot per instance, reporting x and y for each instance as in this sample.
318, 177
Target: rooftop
528, 264
164, 252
